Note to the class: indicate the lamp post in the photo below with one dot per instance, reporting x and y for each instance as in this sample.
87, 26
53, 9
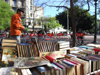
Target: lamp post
95, 35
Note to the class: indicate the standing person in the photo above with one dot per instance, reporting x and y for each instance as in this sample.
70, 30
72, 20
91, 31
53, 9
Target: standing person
16, 26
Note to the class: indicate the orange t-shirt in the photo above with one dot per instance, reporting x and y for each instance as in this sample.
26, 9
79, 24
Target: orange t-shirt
16, 26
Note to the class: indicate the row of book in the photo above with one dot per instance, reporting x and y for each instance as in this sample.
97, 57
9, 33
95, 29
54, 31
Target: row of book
69, 65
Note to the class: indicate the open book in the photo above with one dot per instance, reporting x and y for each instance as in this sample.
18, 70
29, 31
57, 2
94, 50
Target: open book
29, 62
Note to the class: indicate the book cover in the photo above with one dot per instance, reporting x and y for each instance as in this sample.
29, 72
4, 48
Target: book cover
95, 61
89, 62
68, 63
54, 54
77, 66
44, 69
8, 57
85, 65
5, 70
71, 69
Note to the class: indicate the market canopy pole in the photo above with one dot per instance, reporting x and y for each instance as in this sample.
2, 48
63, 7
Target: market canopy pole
95, 35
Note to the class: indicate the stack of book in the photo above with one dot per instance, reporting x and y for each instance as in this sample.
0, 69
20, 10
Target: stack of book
63, 45
8, 52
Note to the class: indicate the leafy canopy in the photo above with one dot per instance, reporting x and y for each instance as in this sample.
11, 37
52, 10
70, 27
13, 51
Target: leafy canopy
86, 21
52, 23
5, 15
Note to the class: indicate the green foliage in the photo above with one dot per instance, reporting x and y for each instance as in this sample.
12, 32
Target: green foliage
51, 23
26, 29
86, 21
5, 15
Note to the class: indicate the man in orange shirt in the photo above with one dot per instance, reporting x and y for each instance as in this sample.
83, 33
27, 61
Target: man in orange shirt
16, 26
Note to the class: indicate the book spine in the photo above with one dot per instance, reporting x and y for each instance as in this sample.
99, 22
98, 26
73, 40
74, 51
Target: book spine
42, 70
24, 72
72, 61
67, 63
49, 58
28, 72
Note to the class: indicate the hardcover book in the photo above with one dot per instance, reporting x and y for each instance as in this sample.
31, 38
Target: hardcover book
95, 61
8, 57
84, 64
58, 70
44, 70
77, 66
54, 54
62, 67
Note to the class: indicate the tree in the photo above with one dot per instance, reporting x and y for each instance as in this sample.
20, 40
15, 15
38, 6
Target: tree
69, 4
51, 23
5, 15
86, 22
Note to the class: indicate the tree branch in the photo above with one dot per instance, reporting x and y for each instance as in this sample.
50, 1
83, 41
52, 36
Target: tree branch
84, 12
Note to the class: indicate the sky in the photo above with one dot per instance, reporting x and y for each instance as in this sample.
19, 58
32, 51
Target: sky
52, 11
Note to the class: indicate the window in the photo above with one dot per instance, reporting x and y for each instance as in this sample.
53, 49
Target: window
15, 3
30, 14
30, 7
22, 3
31, 2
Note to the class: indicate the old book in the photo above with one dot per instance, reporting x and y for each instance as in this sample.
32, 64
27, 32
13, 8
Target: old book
77, 54
28, 71
44, 70
95, 62
14, 71
54, 54
8, 57
51, 59
86, 47
67, 56
84, 64
71, 69
24, 72
9, 43
58, 70
29, 62
77, 66
94, 45
5, 70
35, 71
62, 67
52, 69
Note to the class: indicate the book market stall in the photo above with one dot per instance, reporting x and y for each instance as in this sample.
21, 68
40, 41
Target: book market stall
49, 57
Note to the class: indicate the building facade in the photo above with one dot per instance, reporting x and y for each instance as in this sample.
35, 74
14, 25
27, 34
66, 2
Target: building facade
31, 12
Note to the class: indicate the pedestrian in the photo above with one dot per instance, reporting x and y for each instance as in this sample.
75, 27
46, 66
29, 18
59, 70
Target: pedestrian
16, 26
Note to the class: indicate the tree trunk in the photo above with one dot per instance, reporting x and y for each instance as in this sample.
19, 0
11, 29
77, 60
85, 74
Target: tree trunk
73, 24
